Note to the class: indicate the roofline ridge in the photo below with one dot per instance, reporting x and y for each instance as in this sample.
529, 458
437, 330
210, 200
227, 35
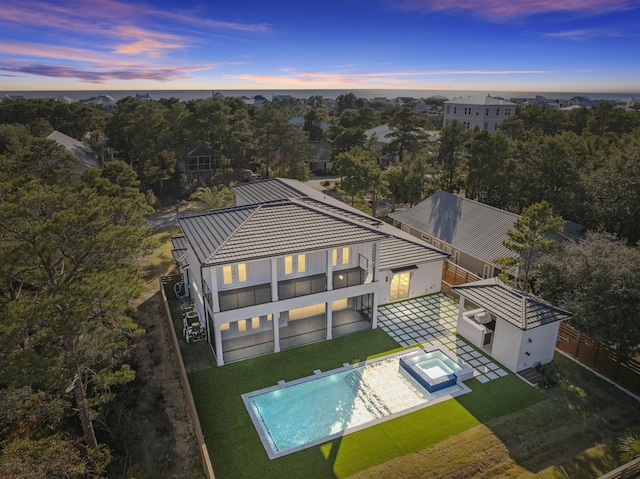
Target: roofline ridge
308, 199
337, 216
256, 208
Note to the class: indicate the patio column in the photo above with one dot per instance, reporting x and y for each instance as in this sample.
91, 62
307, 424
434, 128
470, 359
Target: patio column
374, 311
376, 260
218, 339
461, 306
276, 332
329, 316
274, 280
215, 300
329, 270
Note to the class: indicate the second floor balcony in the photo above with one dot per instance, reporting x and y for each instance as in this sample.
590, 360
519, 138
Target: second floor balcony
290, 288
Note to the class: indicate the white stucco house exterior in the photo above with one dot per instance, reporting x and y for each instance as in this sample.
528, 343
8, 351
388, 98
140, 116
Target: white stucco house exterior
515, 328
484, 112
289, 266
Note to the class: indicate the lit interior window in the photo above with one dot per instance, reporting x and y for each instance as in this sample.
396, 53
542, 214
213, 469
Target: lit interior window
269, 317
242, 272
302, 263
288, 264
227, 277
334, 257
224, 327
345, 255
242, 325
255, 322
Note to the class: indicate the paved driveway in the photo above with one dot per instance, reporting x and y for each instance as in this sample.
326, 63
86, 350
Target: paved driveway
432, 319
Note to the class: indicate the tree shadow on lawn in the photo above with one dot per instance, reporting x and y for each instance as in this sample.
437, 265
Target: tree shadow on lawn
575, 424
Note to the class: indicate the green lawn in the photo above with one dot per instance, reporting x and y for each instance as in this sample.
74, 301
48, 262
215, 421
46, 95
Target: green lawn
236, 450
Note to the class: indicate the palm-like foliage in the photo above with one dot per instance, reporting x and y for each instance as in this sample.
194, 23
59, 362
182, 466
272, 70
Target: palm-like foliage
213, 198
560, 472
629, 447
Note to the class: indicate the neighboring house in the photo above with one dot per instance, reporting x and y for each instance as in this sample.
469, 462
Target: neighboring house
381, 136
517, 329
101, 101
318, 155
484, 112
200, 164
78, 149
288, 266
471, 232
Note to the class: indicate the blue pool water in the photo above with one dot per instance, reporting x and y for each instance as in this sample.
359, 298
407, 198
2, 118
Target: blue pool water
434, 370
317, 409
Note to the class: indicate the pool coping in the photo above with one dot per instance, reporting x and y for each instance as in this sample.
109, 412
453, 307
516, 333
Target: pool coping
267, 442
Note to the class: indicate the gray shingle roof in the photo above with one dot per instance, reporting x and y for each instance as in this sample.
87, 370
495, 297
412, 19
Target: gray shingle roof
77, 149
245, 233
467, 225
518, 308
262, 191
398, 252
179, 251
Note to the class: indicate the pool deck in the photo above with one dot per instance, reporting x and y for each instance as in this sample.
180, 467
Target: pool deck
431, 321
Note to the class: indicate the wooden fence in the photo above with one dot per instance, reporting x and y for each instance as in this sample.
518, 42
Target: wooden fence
626, 471
454, 275
621, 369
167, 282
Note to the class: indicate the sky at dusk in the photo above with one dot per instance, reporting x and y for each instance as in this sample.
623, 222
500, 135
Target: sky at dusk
500, 45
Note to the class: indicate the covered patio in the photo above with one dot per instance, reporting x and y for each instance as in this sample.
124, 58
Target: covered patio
296, 333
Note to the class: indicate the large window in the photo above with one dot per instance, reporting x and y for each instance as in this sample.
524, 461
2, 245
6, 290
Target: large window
234, 274
296, 263
400, 286
340, 256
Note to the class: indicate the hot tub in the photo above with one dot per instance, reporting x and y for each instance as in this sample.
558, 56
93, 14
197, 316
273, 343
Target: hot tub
434, 370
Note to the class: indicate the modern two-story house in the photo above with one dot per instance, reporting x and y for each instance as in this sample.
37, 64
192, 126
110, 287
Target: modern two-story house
285, 268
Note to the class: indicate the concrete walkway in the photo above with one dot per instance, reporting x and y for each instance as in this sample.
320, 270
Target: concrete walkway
432, 320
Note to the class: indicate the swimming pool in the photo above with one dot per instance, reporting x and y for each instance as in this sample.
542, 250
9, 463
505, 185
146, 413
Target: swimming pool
319, 408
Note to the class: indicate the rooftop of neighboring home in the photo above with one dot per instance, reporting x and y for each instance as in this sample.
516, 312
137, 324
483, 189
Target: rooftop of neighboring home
77, 149
383, 134
475, 228
284, 217
513, 305
487, 100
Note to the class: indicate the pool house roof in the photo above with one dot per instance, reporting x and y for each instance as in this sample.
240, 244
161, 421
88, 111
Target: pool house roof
514, 306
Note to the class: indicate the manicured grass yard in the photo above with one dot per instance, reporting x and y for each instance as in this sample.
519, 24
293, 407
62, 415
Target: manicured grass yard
504, 428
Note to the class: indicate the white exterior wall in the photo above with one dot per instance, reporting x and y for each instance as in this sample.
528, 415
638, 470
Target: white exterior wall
427, 279
485, 117
506, 344
510, 345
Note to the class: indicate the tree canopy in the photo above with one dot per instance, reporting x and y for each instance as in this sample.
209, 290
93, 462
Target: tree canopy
598, 280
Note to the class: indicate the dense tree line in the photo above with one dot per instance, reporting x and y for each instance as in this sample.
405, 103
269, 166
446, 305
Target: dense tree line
69, 245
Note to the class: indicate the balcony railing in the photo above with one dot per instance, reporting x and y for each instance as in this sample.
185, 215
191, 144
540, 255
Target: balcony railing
244, 297
348, 277
293, 288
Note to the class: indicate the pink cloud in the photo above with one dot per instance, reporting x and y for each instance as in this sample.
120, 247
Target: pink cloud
586, 34
500, 9
291, 77
103, 75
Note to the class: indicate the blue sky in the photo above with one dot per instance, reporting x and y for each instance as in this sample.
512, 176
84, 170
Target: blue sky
499, 45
